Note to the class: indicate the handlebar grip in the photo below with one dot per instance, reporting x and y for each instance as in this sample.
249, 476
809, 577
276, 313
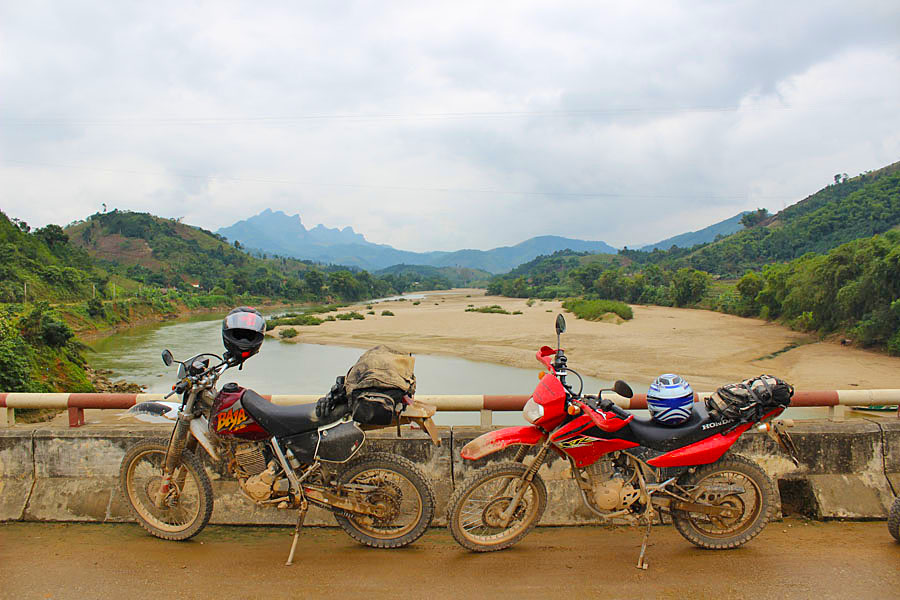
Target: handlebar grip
610, 406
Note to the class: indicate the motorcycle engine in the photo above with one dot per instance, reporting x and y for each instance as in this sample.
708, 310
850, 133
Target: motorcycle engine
610, 489
257, 480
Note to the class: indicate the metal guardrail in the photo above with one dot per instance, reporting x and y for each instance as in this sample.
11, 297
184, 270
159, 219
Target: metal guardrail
486, 404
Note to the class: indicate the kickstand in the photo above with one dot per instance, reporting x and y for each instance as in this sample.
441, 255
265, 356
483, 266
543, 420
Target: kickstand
300, 516
641, 563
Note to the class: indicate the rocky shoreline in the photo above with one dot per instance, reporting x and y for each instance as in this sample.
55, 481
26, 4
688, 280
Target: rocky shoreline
104, 385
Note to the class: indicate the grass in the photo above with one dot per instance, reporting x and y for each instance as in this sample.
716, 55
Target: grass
387, 313
350, 315
493, 309
594, 310
288, 333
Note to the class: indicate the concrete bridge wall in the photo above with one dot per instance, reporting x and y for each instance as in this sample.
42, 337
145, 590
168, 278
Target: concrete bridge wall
848, 470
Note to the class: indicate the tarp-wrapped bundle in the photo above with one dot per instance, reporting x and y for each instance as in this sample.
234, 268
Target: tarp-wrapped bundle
750, 399
376, 384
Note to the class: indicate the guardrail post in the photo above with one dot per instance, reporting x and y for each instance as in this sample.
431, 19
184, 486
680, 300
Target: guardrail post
837, 412
76, 417
7, 417
487, 418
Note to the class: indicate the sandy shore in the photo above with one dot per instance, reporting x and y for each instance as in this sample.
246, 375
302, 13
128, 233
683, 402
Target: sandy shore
706, 347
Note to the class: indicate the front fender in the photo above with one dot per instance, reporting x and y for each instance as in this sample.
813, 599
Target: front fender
494, 441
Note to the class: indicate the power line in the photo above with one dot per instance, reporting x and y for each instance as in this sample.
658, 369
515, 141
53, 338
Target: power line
587, 112
445, 190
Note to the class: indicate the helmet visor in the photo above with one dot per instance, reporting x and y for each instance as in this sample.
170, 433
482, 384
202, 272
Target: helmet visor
245, 320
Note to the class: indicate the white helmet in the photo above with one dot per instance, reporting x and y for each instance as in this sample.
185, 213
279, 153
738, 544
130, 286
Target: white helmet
670, 399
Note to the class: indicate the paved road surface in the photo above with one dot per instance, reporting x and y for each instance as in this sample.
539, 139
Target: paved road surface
790, 559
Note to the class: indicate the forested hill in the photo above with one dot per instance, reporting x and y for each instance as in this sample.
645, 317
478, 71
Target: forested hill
855, 208
43, 263
165, 253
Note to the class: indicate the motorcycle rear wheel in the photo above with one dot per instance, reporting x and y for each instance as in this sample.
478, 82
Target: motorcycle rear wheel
753, 506
476, 507
402, 490
894, 519
185, 510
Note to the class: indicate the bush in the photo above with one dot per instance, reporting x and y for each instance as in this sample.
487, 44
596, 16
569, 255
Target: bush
350, 315
594, 310
303, 320
387, 313
95, 307
288, 333
493, 308
530, 302
371, 312
417, 302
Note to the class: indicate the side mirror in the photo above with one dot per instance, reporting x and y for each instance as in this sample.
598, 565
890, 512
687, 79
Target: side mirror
560, 324
167, 357
622, 389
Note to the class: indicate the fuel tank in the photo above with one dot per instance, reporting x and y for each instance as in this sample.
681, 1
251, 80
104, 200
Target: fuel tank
229, 421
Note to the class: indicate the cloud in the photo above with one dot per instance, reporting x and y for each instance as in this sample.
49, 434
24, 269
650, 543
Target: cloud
441, 126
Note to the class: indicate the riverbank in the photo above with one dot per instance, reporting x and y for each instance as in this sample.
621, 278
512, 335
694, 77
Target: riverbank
706, 347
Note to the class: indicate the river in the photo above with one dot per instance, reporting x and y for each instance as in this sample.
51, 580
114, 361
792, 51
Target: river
296, 368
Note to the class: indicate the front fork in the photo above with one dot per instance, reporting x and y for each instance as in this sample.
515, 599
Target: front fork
507, 514
173, 477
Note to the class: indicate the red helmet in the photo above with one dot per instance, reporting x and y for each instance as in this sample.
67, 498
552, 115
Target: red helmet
243, 330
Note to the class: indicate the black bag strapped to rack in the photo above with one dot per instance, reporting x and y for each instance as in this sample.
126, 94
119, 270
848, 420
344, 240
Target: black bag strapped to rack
376, 384
750, 399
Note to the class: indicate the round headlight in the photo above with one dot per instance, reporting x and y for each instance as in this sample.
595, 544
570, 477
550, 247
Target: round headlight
533, 411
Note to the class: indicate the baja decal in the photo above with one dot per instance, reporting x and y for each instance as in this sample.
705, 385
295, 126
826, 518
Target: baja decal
231, 419
577, 442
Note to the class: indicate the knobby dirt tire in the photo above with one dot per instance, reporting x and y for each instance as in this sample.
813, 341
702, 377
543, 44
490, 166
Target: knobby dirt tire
762, 490
137, 499
459, 513
380, 464
894, 519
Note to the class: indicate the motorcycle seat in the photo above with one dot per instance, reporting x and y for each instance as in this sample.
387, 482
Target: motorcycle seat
283, 421
651, 434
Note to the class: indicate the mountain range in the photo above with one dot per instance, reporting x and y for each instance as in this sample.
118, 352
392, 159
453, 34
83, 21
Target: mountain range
278, 233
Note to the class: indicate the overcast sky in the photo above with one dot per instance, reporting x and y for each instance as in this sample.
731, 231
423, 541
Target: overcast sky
445, 125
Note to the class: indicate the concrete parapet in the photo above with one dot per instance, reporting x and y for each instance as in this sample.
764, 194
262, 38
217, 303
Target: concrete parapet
848, 470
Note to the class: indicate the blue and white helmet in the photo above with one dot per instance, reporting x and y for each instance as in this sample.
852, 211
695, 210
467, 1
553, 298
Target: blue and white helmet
670, 399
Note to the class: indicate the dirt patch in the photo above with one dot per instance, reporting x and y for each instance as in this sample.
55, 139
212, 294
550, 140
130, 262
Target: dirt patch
790, 559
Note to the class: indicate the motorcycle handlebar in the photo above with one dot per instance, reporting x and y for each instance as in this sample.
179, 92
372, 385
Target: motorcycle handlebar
610, 406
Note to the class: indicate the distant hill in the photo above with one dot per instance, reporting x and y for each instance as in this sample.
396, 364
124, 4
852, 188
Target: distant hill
702, 236
276, 232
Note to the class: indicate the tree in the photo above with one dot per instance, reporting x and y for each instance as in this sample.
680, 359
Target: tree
752, 219
689, 286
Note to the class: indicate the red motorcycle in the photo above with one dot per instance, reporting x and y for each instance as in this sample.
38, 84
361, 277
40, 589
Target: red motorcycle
625, 468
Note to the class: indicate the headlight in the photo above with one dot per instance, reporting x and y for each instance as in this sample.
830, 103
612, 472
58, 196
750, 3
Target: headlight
533, 411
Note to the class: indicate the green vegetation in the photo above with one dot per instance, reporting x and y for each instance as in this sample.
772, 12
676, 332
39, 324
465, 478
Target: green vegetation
493, 309
387, 313
38, 352
411, 278
595, 310
350, 316
288, 333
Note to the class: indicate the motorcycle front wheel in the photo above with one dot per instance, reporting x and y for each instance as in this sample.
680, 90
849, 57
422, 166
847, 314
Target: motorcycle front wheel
476, 509
177, 513
736, 483
894, 519
399, 489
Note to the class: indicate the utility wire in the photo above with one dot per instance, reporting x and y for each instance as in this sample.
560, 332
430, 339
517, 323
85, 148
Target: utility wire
444, 190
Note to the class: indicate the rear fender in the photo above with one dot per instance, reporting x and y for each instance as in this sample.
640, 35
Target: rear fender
494, 441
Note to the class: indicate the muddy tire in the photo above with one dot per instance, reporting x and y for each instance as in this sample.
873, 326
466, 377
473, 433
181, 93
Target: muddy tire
732, 481
402, 490
185, 509
476, 505
894, 519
